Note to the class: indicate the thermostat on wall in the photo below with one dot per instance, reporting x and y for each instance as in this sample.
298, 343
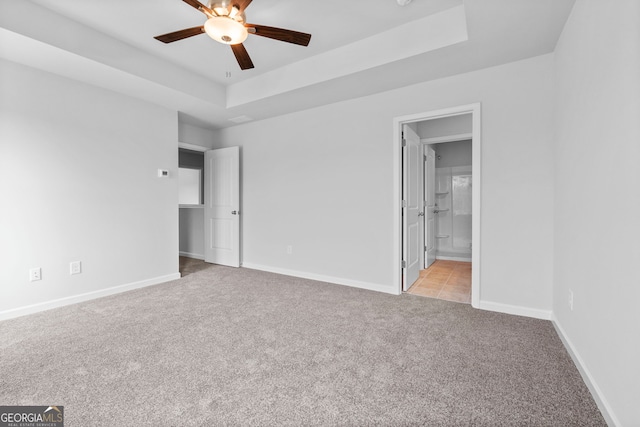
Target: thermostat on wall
163, 173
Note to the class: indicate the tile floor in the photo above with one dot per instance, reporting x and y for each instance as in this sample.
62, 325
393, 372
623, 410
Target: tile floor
448, 280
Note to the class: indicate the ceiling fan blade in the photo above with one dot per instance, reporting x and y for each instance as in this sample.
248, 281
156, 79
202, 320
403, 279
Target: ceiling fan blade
179, 35
242, 4
281, 34
202, 8
242, 56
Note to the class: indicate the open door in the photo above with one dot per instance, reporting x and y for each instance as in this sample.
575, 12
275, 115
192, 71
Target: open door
412, 207
222, 206
430, 206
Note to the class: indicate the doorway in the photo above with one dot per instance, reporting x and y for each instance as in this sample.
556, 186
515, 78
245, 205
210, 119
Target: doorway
191, 206
421, 226
209, 223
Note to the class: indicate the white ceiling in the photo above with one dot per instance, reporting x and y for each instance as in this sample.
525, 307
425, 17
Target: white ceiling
358, 47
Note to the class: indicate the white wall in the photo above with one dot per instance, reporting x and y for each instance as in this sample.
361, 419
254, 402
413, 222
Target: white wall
78, 178
192, 232
597, 201
195, 135
321, 181
450, 154
445, 126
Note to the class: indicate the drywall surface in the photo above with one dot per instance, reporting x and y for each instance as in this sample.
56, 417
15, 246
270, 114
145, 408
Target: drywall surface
321, 181
450, 154
597, 201
445, 126
79, 182
192, 232
195, 135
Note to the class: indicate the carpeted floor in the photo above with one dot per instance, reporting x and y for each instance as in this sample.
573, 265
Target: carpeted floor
225, 346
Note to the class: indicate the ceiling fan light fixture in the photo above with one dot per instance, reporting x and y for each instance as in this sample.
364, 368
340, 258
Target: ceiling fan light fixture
225, 30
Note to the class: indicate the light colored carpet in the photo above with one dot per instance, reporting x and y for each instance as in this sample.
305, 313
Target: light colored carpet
225, 346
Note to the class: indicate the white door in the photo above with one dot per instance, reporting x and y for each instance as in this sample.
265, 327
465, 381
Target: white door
430, 206
222, 206
412, 206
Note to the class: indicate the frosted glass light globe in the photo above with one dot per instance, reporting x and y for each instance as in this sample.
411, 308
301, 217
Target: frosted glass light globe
225, 30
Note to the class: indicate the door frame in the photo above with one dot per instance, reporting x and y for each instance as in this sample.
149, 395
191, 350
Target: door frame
476, 156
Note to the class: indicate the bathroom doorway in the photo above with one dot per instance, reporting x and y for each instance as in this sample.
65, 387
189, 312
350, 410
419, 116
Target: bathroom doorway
448, 231
448, 184
452, 199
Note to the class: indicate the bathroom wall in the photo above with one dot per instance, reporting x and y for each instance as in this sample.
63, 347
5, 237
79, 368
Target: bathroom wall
453, 185
453, 221
457, 153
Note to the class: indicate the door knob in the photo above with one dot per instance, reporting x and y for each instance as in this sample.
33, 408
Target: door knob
234, 212
420, 213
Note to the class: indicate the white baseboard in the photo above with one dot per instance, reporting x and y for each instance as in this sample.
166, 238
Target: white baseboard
74, 299
517, 310
454, 258
191, 255
322, 278
597, 394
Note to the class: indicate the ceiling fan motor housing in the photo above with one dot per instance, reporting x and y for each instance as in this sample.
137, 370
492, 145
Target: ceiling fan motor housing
227, 8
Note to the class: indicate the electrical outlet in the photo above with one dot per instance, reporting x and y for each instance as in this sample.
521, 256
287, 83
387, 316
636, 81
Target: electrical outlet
75, 267
35, 274
570, 299
289, 250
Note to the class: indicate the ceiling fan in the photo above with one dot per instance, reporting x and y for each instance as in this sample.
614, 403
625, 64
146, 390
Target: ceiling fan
226, 24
